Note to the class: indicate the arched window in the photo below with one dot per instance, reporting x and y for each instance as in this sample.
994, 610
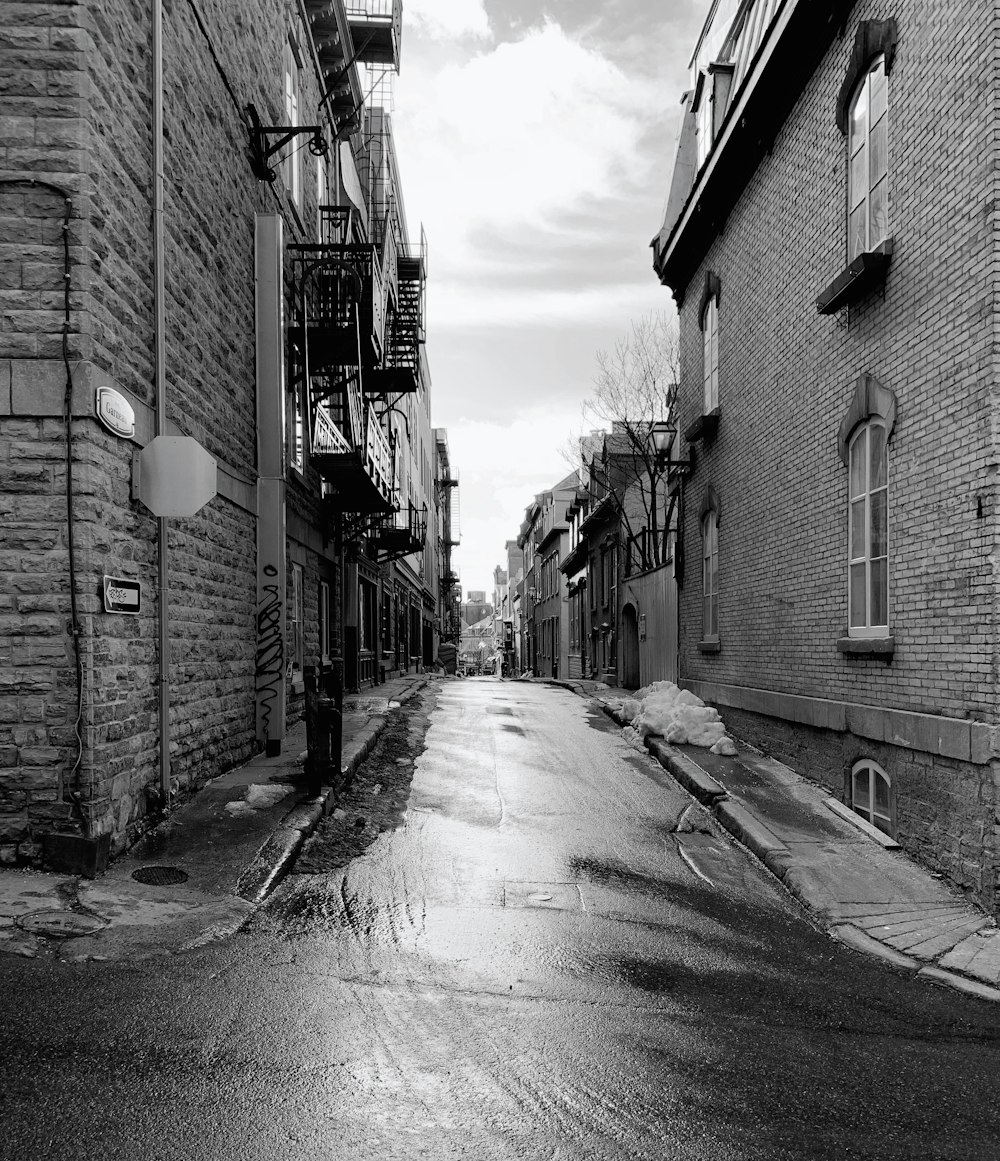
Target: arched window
868, 535
871, 794
868, 162
710, 351
710, 575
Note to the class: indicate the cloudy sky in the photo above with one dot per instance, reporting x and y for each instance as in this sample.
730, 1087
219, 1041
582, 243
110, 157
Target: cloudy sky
536, 142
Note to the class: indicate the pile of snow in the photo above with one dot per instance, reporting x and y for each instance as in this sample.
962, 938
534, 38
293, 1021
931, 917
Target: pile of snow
676, 715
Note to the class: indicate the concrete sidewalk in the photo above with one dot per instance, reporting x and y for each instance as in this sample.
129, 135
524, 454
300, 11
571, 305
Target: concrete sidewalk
856, 881
212, 860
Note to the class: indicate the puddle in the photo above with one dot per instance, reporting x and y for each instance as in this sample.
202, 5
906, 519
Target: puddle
60, 924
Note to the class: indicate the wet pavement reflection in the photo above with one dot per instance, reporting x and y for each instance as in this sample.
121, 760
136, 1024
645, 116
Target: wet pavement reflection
557, 955
658, 990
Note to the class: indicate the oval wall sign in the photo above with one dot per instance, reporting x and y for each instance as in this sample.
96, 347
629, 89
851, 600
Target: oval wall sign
115, 411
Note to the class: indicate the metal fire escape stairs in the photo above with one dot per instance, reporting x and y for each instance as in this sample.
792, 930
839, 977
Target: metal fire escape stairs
335, 333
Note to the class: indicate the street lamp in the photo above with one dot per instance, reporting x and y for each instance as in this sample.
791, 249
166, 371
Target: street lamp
662, 434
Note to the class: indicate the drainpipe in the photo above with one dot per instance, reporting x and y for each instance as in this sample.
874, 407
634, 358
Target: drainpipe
160, 397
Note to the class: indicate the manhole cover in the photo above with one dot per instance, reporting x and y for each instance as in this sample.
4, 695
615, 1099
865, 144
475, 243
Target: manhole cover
159, 876
61, 924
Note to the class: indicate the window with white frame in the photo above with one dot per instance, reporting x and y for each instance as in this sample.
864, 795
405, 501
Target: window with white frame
297, 621
868, 549
703, 115
293, 160
298, 428
871, 794
710, 352
868, 162
710, 576
321, 195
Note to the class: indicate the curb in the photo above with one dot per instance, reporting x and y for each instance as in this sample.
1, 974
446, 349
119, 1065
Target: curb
689, 774
960, 983
776, 857
274, 859
854, 937
750, 832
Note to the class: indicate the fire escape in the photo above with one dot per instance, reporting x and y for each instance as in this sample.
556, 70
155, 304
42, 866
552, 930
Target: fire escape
337, 332
451, 594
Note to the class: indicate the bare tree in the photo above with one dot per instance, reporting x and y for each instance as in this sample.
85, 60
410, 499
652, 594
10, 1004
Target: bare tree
635, 387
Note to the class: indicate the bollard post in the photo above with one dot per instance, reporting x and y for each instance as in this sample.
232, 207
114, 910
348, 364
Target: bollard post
335, 692
317, 735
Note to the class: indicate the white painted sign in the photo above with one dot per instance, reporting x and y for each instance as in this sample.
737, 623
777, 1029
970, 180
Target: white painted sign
114, 411
121, 595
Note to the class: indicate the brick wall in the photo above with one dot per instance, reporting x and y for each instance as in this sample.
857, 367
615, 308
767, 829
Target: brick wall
787, 376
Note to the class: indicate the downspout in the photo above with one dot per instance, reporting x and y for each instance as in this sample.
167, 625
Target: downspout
160, 398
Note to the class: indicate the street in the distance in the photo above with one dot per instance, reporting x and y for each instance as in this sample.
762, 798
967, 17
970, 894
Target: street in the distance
558, 954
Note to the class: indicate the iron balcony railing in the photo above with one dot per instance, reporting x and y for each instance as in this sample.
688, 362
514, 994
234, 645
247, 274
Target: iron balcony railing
403, 532
378, 454
377, 29
340, 304
350, 449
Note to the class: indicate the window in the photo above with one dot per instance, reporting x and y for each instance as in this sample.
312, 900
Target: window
710, 352
868, 588
710, 576
321, 196
704, 118
298, 426
293, 161
868, 162
605, 576
613, 557
297, 659
871, 794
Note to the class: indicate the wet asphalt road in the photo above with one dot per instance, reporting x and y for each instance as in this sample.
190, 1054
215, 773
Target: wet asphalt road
556, 957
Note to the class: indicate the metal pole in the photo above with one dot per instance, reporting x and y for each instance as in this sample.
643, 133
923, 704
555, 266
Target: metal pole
159, 392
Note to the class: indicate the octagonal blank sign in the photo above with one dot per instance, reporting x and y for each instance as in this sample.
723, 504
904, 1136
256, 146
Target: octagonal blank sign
176, 475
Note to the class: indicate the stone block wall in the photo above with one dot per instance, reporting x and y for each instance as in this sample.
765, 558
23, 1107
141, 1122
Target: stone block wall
787, 376
76, 113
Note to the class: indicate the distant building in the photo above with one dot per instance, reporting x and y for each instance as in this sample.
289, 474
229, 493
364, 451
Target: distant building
544, 541
475, 608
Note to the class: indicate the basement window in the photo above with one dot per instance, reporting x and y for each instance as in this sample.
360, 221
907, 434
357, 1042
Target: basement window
871, 795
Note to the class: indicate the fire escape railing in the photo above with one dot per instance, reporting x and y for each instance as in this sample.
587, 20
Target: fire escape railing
379, 453
341, 293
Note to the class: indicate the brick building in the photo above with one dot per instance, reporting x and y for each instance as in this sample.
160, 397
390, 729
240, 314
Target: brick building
202, 237
831, 242
544, 541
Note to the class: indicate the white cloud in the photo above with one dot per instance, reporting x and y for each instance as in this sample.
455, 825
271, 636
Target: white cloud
518, 137
501, 467
447, 19
458, 304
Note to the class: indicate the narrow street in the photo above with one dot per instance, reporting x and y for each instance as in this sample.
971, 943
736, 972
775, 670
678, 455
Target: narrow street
556, 955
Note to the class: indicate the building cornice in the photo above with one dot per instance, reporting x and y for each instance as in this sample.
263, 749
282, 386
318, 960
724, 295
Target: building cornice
793, 48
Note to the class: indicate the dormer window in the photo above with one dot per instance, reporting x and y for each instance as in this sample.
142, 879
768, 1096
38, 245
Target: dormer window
703, 115
711, 101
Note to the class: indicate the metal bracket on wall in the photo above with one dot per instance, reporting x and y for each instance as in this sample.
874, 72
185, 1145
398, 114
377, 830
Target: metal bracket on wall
262, 148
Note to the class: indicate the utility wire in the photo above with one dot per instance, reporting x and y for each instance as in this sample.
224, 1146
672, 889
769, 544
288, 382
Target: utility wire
215, 60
